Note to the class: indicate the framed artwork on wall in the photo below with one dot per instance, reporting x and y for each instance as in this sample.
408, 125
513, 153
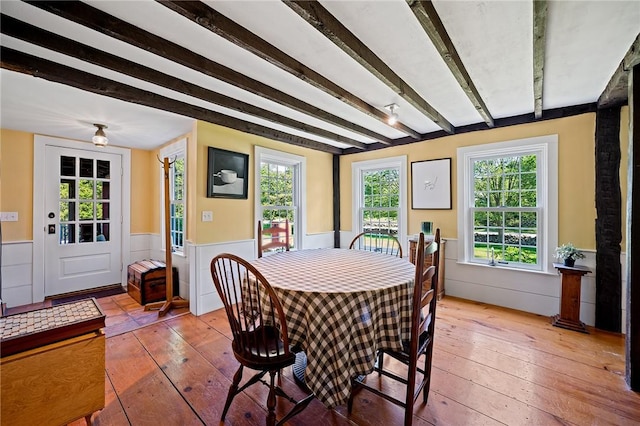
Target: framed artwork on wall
227, 174
431, 184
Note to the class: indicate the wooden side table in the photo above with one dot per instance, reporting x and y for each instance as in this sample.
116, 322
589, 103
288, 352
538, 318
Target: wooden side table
428, 261
569, 316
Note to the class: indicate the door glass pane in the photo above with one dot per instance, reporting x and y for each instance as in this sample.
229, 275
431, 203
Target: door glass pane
67, 211
102, 232
85, 188
86, 211
67, 166
67, 233
86, 167
103, 169
102, 211
67, 188
102, 190
86, 232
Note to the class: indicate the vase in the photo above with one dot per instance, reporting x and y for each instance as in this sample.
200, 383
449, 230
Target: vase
569, 262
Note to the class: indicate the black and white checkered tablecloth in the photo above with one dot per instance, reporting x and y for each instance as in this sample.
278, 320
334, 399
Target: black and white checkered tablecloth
341, 306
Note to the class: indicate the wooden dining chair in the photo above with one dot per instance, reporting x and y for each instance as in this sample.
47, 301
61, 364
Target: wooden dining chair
378, 242
420, 344
259, 329
273, 238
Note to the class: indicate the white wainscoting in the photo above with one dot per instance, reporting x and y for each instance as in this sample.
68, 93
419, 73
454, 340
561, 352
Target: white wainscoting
140, 247
201, 284
17, 273
526, 291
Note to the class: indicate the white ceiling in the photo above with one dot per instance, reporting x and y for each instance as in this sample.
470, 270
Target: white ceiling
585, 43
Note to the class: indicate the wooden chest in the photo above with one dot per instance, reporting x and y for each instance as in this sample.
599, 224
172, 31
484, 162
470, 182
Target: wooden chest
146, 281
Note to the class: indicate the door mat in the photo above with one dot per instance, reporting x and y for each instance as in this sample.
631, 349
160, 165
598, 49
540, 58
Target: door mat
97, 294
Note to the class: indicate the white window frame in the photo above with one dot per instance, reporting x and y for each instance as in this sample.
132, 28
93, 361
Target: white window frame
299, 165
546, 149
357, 173
176, 149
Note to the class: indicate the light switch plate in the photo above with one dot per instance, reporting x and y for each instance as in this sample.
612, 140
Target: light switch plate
9, 216
207, 216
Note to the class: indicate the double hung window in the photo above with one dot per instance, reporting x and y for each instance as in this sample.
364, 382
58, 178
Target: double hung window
379, 188
279, 192
508, 214
177, 194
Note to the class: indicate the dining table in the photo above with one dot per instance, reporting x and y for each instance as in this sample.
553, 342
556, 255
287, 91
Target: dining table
341, 306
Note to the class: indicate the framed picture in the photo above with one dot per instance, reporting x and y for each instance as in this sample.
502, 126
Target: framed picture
431, 184
227, 174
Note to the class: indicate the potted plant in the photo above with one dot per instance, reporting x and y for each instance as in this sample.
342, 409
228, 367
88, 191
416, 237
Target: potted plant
568, 253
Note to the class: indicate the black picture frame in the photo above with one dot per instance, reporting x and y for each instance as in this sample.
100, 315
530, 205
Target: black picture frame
227, 174
431, 184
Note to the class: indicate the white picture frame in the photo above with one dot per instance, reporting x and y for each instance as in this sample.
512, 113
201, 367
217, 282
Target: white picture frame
431, 184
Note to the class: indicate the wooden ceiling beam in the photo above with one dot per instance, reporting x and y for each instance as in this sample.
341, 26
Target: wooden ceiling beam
219, 24
617, 91
539, 43
320, 18
27, 32
426, 14
28, 64
112, 26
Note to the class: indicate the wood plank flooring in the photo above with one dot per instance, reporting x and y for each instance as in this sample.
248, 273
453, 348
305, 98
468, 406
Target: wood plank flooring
491, 366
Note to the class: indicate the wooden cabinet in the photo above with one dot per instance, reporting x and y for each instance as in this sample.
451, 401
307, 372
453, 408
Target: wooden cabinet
428, 261
48, 379
569, 316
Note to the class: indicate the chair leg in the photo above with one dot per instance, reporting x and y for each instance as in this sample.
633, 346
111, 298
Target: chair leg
380, 361
271, 400
408, 413
427, 372
233, 390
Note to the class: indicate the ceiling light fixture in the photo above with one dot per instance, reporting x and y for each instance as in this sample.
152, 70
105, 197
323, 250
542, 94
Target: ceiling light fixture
100, 138
393, 116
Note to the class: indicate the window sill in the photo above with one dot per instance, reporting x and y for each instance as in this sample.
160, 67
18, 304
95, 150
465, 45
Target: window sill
507, 268
176, 253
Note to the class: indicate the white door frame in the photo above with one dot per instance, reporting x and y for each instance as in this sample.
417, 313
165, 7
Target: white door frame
39, 159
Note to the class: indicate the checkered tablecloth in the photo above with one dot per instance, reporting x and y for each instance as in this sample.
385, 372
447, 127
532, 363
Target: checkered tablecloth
341, 306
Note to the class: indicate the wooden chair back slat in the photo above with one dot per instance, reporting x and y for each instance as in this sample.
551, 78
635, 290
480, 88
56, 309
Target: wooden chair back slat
377, 242
420, 344
274, 237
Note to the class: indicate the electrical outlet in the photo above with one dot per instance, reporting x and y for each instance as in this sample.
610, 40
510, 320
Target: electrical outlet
9, 216
207, 216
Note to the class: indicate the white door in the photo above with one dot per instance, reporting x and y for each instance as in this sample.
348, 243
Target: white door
82, 220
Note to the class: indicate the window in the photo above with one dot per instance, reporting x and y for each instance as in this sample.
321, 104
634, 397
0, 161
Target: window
508, 216
279, 192
177, 194
379, 189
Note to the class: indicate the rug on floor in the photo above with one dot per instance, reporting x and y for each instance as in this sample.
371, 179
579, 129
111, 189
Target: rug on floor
97, 294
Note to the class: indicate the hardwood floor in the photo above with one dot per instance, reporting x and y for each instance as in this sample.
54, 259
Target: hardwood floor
491, 366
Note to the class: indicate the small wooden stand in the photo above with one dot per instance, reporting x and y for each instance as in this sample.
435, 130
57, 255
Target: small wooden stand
171, 301
569, 316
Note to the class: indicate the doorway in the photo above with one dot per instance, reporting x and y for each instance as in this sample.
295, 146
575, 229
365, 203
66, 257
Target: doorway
80, 216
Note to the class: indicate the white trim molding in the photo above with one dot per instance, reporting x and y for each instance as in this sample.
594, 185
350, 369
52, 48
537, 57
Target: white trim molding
39, 144
357, 169
546, 147
300, 194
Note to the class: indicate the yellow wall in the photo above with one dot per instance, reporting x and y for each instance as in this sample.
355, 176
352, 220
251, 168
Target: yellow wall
16, 180
234, 219
16, 184
144, 184
576, 175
